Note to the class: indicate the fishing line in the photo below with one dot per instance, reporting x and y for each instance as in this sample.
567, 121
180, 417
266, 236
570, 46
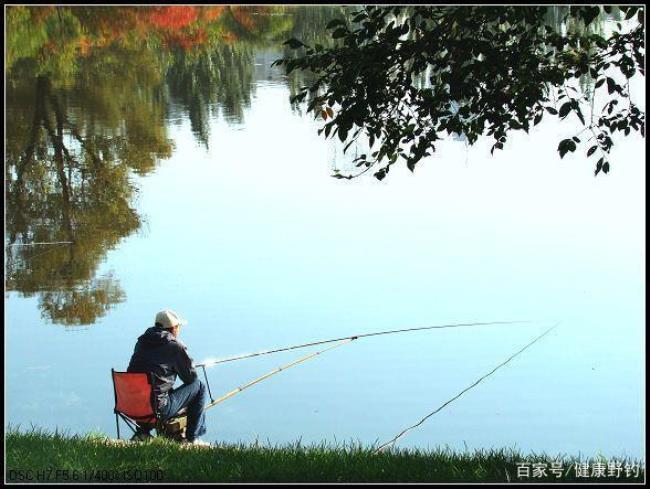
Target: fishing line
42, 243
273, 372
403, 432
353, 337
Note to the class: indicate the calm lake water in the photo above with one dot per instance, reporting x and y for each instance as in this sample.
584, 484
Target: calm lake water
194, 185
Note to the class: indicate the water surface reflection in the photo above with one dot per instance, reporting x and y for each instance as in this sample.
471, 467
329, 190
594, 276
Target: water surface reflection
91, 94
160, 142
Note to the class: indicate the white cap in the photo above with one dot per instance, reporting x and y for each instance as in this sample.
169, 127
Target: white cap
169, 319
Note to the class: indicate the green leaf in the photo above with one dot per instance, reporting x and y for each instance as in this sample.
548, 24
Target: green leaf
411, 165
343, 134
333, 23
579, 114
630, 13
328, 128
590, 14
293, 43
565, 146
564, 110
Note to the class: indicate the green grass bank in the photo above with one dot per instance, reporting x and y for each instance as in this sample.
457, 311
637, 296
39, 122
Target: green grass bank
39, 456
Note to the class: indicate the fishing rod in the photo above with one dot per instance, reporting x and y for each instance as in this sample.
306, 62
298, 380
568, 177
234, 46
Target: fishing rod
339, 342
352, 337
406, 430
233, 392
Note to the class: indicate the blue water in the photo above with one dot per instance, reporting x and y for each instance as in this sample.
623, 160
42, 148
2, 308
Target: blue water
255, 244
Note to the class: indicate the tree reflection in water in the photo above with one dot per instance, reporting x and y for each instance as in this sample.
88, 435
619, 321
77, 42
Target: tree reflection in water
90, 93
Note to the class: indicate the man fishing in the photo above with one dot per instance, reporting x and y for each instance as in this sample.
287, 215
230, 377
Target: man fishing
159, 352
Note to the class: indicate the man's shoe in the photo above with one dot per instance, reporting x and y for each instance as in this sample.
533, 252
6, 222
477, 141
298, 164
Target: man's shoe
199, 443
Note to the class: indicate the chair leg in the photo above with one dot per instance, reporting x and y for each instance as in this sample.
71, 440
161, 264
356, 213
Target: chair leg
117, 424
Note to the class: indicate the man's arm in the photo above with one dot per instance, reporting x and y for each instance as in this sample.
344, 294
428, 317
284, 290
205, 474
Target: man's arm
184, 367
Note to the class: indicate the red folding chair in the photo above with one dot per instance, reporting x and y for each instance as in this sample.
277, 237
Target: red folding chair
134, 401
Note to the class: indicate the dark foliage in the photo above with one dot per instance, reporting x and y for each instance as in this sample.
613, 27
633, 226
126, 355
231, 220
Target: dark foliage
486, 71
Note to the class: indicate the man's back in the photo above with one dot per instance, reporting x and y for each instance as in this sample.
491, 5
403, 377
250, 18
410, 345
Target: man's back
158, 352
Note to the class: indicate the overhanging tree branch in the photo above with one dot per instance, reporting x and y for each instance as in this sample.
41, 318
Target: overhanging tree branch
489, 71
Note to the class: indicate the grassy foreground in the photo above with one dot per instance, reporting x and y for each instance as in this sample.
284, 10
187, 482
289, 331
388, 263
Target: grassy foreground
38, 456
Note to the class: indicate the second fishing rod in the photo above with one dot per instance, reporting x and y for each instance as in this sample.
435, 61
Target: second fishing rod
210, 363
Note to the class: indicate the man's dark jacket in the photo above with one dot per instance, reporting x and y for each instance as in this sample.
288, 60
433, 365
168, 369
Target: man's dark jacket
158, 352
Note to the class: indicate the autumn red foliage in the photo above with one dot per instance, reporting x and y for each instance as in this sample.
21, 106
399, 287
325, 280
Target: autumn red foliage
173, 18
211, 13
185, 40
